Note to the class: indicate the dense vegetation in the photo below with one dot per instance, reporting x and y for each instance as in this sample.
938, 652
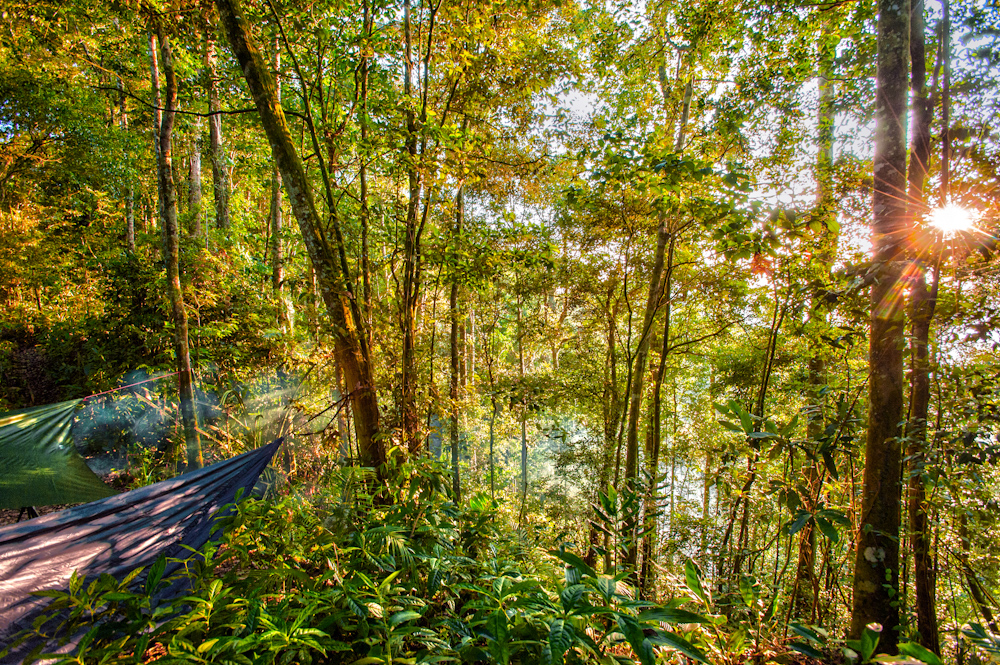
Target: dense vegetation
598, 332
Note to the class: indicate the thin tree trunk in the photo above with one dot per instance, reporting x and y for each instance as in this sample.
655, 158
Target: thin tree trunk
364, 215
171, 252
411, 255
220, 174
876, 569
524, 418
471, 348
154, 80
130, 191
194, 188
647, 578
331, 278
456, 481
806, 586
285, 312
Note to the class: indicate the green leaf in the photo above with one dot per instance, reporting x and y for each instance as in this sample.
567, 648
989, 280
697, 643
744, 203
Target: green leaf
575, 561
732, 427
808, 650
747, 592
921, 653
800, 521
571, 595
828, 529
155, 574
632, 631
678, 643
561, 639
671, 615
869, 641
400, 617
831, 465
692, 576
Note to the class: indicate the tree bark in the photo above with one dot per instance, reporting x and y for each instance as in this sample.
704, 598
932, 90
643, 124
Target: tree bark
171, 252
286, 315
876, 569
806, 596
331, 281
411, 256
922, 305
194, 174
456, 481
157, 116
220, 174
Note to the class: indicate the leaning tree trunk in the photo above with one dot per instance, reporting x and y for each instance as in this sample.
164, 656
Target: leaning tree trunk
171, 252
220, 174
876, 567
330, 278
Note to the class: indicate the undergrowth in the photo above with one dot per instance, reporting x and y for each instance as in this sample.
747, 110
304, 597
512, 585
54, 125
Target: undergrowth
412, 578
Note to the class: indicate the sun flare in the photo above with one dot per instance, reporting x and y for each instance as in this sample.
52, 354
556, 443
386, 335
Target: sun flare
952, 219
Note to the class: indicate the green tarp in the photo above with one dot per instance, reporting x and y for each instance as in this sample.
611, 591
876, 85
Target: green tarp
39, 465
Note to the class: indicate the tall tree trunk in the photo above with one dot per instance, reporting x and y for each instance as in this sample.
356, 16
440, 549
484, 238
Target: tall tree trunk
922, 304
611, 412
471, 348
653, 300
456, 481
364, 211
286, 315
806, 584
220, 174
946, 104
194, 188
171, 252
130, 191
647, 579
876, 568
157, 116
524, 418
411, 255
331, 279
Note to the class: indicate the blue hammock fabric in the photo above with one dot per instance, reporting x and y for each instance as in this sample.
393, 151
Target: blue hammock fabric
114, 535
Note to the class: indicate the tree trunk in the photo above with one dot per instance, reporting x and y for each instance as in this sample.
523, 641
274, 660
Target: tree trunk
171, 252
130, 191
806, 586
220, 174
638, 382
524, 418
876, 569
331, 280
456, 481
922, 303
154, 81
286, 315
194, 188
364, 211
647, 579
411, 257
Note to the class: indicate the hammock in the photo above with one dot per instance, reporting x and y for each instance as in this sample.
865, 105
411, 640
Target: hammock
39, 465
114, 535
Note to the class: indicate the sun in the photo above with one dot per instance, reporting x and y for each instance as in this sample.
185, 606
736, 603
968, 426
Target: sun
952, 219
